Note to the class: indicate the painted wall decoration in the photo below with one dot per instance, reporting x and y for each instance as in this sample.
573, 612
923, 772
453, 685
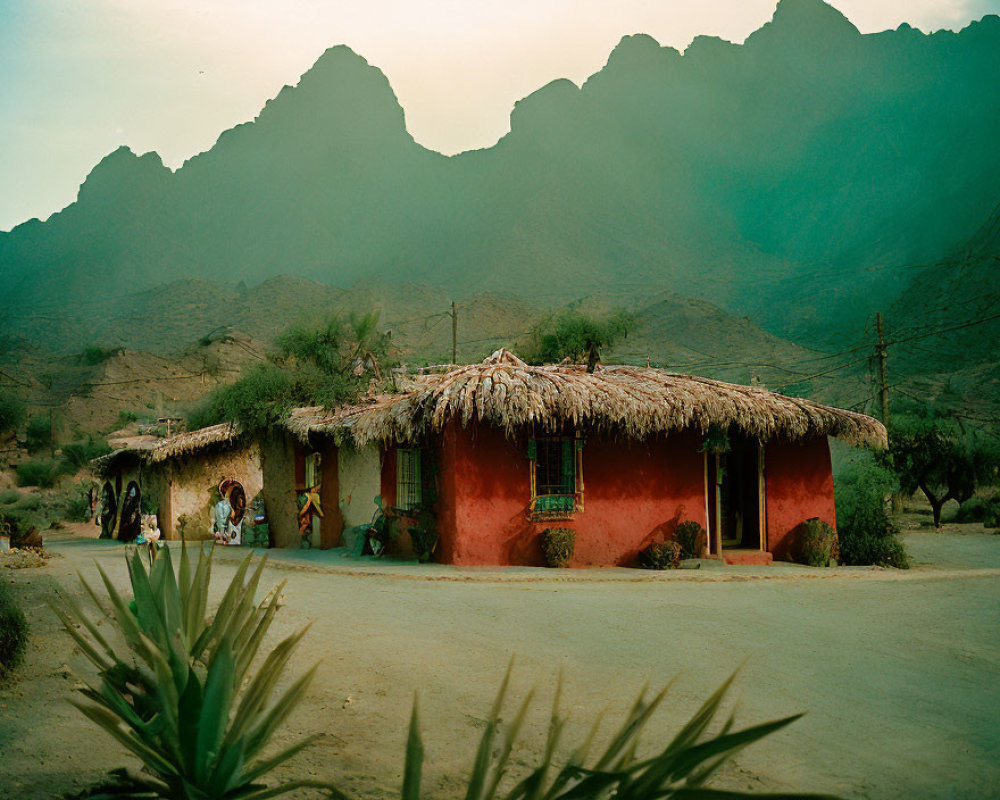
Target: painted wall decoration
131, 519
109, 510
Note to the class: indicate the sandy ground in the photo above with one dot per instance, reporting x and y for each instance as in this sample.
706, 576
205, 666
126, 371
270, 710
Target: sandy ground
899, 671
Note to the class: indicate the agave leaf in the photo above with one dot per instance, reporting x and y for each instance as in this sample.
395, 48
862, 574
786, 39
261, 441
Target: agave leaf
260, 734
127, 621
215, 708
84, 620
285, 788
636, 720
261, 768
220, 621
686, 761
228, 772
82, 642
249, 647
148, 610
110, 723
510, 737
694, 728
414, 764
722, 794
184, 571
101, 608
481, 765
259, 691
188, 717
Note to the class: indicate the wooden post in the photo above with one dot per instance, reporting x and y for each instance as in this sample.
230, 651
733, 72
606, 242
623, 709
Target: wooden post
708, 521
718, 509
883, 357
454, 333
761, 497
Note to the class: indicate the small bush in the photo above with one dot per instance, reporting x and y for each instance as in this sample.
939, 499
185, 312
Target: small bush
972, 510
661, 555
12, 411
557, 546
39, 433
867, 533
41, 472
425, 541
13, 632
27, 502
95, 354
9, 497
692, 539
77, 508
816, 544
78, 455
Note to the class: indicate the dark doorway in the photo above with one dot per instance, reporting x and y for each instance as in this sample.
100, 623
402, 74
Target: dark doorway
734, 506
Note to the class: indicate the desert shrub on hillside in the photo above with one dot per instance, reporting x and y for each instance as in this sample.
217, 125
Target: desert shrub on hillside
39, 433
78, 455
9, 497
12, 411
867, 533
325, 365
41, 472
13, 632
576, 336
95, 354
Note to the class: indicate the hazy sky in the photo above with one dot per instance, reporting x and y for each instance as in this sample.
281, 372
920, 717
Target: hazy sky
80, 77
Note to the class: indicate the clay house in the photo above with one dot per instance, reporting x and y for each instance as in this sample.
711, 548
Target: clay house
178, 476
499, 451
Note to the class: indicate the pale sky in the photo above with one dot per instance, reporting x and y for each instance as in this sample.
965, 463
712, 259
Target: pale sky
78, 78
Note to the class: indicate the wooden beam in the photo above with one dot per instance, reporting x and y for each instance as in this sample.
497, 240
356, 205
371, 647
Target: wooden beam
718, 510
708, 521
761, 498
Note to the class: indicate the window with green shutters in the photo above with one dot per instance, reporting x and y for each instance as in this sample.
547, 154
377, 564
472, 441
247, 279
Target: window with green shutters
556, 473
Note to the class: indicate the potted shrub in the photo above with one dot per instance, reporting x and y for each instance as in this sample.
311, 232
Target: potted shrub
557, 546
692, 539
817, 544
660, 555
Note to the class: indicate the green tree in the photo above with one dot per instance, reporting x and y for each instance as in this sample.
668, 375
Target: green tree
935, 453
12, 411
576, 336
325, 365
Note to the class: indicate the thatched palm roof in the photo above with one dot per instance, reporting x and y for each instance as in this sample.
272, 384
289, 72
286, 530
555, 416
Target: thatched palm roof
222, 435
505, 392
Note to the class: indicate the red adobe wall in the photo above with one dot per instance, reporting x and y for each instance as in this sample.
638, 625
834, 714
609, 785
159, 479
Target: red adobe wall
799, 478
635, 493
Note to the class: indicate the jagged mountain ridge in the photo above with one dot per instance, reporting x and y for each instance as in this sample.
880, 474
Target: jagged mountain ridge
786, 178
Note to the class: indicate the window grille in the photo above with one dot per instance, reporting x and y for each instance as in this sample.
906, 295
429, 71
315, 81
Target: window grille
556, 476
408, 494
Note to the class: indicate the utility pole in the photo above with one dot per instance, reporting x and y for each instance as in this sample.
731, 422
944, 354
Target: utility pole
881, 352
454, 333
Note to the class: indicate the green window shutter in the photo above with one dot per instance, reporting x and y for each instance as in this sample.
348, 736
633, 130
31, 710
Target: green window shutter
568, 472
532, 450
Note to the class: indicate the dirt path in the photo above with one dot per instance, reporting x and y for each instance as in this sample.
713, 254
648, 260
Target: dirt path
900, 672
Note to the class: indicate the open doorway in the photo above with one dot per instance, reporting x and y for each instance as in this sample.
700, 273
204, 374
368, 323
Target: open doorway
735, 490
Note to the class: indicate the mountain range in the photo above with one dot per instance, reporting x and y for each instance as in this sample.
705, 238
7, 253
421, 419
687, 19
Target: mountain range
805, 178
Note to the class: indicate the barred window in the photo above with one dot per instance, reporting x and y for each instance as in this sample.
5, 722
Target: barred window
556, 475
408, 485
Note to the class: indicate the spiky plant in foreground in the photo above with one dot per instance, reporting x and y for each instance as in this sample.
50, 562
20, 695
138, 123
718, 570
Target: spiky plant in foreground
170, 679
679, 771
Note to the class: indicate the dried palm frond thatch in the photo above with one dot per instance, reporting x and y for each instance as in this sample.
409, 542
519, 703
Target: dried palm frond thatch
505, 392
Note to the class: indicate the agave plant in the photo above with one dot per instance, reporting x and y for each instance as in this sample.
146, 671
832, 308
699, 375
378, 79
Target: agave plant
171, 678
679, 771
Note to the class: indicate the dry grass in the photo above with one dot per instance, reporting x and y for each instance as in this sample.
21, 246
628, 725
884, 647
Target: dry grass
505, 392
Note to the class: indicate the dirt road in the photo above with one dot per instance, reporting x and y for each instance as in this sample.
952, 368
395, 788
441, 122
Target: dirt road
899, 672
